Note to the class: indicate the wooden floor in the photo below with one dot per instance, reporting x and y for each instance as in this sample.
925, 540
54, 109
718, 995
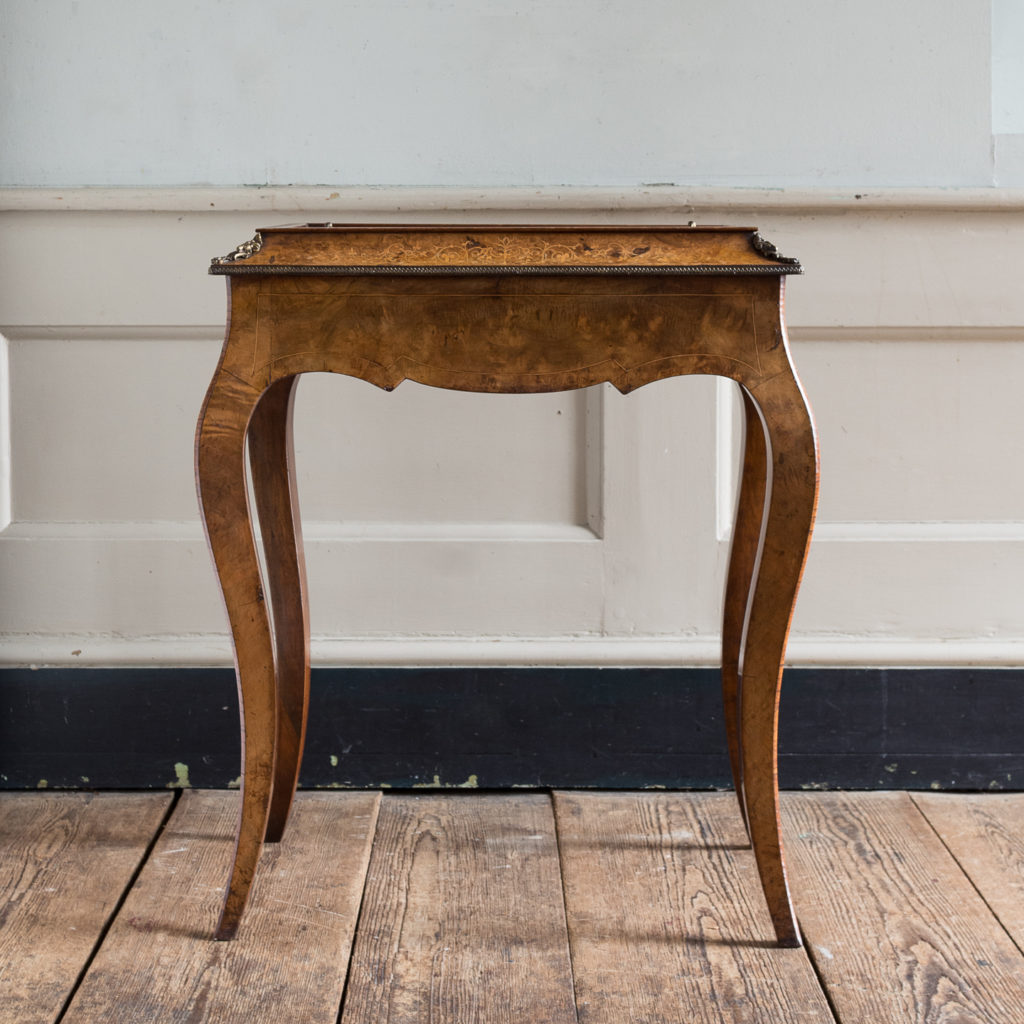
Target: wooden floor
522, 907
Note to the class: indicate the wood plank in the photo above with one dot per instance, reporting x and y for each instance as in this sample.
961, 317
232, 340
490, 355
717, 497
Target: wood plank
463, 918
985, 832
159, 963
65, 861
897, 931
667, 920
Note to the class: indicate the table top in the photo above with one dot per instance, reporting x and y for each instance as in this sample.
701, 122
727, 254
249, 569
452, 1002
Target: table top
333, 248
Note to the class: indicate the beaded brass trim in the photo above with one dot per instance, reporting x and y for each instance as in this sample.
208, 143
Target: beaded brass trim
294, 270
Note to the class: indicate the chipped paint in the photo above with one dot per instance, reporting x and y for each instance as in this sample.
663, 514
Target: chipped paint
471, 783
891, 768
84, 778
42, 784
348, 784
235, 783
334, 760
181, 777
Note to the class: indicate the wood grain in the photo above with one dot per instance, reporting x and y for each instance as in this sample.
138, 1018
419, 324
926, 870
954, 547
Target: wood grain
224, 502
666, 919
792, 498
463, 917
288, 961
498, 341
746, 537
272, 465
322, 246
897, 931
985, 833
499, 333
491, 334
65, 860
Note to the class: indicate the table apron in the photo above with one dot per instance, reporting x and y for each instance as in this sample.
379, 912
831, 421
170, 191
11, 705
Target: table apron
500, 339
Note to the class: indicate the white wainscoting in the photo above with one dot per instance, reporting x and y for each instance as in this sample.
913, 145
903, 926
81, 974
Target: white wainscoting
588, 528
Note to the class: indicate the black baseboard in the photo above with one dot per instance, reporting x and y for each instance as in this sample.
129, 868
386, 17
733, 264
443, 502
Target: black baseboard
499, 728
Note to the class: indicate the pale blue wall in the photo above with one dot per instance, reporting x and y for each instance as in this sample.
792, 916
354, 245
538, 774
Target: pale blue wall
495, 92
1008, 67
1008, 90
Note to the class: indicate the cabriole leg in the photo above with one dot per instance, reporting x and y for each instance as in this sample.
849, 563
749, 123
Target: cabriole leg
272, 462
750, 511
792, 486
220, 478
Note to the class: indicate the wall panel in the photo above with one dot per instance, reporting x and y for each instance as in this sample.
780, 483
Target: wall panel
588, 528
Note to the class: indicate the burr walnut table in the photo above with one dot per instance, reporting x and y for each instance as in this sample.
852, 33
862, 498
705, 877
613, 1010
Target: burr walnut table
498, 309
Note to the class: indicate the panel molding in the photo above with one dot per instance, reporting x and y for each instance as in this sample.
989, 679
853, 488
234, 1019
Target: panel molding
729, 443
606, 593
920, 532
807, 333
139, 333
415, 202
44, 546
213, 650
5, 434
327, 531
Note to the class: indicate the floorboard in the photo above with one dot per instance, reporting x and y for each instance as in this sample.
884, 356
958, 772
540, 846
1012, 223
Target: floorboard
667, 920
463, 918
475, 908
897, 931
985, 833
65, 861
158, 962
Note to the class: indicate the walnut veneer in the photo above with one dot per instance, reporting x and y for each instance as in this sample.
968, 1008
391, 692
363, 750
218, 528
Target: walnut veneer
499, 309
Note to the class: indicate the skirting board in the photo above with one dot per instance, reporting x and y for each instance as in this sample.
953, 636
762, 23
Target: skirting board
499, 728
